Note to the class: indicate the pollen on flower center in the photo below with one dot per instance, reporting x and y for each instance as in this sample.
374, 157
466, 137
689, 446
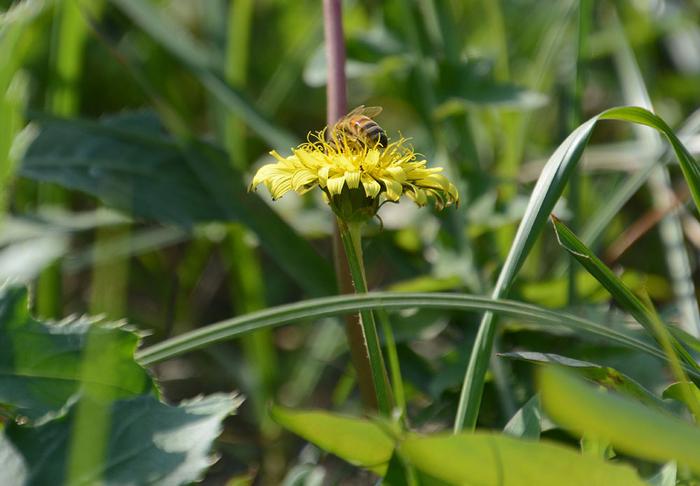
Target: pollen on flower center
352, 175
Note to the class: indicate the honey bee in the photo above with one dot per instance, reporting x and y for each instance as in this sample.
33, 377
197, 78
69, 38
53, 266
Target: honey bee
358, 129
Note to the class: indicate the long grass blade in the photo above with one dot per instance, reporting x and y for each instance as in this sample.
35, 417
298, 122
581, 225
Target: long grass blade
620, 292
670, 228
346, 304
546, 193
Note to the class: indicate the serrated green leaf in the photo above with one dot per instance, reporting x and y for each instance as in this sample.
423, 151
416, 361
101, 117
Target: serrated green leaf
149, 443
628, 425
490, 459
41, 364
355, 440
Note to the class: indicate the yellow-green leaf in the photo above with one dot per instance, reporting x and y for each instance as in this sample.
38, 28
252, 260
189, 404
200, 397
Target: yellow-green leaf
491, 459
629, 426
358, 441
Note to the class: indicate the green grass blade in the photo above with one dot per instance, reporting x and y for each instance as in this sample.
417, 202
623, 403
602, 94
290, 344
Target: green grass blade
629, 426
620, 292
662, 194
544, 196
593, 230
689, 166
346, 304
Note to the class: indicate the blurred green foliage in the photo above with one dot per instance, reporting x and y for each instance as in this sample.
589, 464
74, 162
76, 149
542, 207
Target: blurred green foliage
129, 130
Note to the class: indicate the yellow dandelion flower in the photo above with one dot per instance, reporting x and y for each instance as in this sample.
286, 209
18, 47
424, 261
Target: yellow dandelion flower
356, 179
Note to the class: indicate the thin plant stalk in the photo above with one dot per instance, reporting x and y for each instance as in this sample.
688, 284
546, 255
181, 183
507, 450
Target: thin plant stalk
336, 107
394, 367
575, 119
351, 236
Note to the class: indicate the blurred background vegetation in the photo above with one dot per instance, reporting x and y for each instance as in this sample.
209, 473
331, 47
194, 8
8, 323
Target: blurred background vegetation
129, 130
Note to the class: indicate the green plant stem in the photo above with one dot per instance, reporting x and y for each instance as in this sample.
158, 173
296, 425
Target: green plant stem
394, 367
575, 119
350, 234
336, 106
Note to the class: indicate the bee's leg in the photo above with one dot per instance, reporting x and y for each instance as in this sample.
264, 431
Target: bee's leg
381, 222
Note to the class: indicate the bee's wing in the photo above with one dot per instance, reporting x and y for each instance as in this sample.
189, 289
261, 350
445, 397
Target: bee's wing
368, 111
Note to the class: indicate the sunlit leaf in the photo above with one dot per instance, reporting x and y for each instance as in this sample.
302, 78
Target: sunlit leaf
490, 459
358, 441
629, 426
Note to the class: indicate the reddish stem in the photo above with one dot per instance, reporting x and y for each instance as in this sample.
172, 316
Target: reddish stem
337, 103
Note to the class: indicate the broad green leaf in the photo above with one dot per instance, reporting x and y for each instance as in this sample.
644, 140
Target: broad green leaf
603, 375
129, 163
629, 426
149, 443
620, 292
345, 304
358, 441
545, 195
527, 421
41, 364
491, 459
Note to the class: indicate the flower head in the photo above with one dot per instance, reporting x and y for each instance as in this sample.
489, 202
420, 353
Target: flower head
356, 178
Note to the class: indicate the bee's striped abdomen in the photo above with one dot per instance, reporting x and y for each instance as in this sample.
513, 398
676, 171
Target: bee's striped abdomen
370, 130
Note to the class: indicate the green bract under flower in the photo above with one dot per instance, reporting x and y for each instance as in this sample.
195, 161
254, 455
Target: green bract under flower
356, 179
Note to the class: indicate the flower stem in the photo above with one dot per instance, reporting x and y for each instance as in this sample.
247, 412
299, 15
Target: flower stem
350, 234
336, 107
